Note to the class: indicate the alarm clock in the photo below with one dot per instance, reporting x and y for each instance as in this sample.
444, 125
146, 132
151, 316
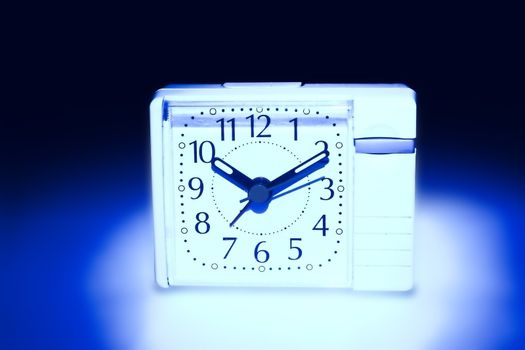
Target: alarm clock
284, 184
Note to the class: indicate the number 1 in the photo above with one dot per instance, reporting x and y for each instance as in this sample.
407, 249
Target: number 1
294, 121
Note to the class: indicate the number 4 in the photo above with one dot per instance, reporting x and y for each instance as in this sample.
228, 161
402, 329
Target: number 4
323, 227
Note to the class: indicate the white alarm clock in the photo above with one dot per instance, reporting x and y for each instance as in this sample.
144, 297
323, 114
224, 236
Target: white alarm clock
284, 184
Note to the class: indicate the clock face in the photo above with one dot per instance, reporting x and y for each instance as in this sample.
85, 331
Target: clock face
259, 194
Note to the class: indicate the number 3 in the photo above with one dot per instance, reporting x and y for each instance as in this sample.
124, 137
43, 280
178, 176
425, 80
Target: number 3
329, 188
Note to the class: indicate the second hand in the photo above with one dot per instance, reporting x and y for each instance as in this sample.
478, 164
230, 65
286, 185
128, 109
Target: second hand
243, 210
289, 191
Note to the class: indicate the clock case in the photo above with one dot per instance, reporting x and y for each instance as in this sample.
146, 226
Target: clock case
384, 131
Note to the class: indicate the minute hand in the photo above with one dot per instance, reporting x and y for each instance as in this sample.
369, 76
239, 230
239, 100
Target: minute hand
299, 172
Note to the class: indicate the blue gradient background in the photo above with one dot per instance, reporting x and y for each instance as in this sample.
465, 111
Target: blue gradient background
75, 218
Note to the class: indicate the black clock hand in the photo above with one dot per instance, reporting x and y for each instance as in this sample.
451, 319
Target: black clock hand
290, 191
231, 174
242, 211
302, 170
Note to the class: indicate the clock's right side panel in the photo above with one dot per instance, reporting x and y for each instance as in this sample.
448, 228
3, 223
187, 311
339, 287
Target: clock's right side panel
384, 194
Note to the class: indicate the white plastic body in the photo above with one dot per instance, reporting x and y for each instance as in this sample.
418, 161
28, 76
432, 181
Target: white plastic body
384, 184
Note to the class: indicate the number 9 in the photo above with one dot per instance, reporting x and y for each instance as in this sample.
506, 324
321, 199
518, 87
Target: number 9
199, 188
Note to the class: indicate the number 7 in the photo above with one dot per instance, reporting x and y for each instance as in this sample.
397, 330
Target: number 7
234, 239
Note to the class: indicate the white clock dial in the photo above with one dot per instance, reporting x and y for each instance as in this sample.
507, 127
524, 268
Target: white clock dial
261, 193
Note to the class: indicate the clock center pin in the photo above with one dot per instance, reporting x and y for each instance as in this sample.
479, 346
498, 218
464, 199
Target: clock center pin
259, 193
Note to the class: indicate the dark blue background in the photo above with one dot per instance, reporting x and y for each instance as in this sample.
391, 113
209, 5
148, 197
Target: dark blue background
75, 142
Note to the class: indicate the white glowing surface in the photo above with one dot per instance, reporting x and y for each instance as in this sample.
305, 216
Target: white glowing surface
458, 302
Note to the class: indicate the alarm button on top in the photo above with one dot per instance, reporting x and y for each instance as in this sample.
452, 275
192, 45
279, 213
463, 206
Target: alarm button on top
264, 85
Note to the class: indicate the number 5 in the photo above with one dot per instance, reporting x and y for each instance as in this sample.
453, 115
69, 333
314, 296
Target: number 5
299, 251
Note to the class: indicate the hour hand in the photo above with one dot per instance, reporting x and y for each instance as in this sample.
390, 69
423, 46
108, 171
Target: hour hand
231, 174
